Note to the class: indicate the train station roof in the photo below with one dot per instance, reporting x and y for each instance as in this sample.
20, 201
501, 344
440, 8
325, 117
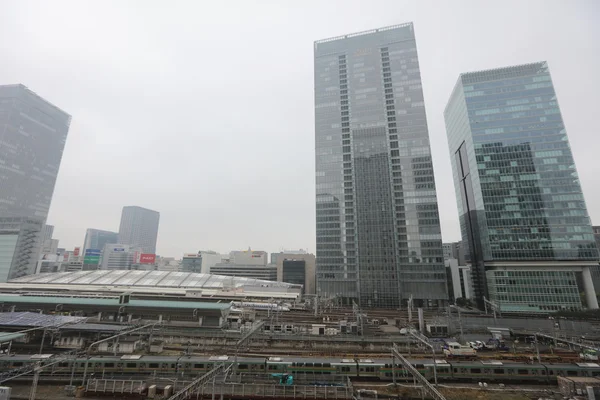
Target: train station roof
114, 302
158, 282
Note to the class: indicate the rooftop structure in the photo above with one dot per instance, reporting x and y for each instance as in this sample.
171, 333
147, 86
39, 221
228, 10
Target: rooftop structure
155, 282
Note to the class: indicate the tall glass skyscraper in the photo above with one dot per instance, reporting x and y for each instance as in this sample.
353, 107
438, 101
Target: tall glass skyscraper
97, 238
378, 230
33, 133
523, 217
139, 228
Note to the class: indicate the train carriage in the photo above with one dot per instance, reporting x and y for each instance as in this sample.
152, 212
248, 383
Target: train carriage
425, 368
370, 368
346, 367
310, 366
576, 369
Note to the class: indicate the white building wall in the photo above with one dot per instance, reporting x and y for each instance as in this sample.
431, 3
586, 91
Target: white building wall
249, 257
209, 260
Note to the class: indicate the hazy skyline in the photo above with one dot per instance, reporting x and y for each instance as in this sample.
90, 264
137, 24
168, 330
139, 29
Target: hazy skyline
205, 111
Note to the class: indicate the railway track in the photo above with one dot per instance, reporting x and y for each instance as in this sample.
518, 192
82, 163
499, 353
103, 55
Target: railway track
499, 356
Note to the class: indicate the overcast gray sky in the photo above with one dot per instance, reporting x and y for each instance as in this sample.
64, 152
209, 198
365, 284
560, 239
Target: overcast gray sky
203, 110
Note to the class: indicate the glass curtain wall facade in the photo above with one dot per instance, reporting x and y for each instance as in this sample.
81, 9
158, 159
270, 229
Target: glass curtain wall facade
97, 239
378, 231
517, 187
33, 133
139, 228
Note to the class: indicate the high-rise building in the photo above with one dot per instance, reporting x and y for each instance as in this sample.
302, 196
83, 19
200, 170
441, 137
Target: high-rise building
378, 229
454, 250
139, 228
33, 133
49, 246
524, 221
97, 238
48, 232
20, 239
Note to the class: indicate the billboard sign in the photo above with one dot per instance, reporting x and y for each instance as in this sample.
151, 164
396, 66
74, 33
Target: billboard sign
92, 256
117, 249
76, 251
146, 258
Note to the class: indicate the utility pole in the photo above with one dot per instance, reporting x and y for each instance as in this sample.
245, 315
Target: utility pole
410, 305
459, 320
42, 344
425, 341
537, 349
34, 384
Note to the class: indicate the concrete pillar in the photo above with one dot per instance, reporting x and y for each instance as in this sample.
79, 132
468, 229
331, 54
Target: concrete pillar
588, 288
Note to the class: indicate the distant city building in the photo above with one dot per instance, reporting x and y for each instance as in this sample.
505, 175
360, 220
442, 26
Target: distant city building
118, 256
98, 238
255, 271
249, 257
298, 268
459, 280
20, 239
596, 230
48, 232
377, 225
524, 222
139, 228
168, 264
33, 133
454, 250
50, 246
201, 262
275, 255
49, 263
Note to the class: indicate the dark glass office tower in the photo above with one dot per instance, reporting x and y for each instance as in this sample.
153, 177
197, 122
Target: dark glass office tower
523, 217
378, 230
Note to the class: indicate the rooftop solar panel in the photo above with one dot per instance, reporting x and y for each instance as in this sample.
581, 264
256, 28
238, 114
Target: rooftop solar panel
35, 319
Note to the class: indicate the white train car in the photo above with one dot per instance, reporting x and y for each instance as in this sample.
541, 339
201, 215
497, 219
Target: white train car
259, 306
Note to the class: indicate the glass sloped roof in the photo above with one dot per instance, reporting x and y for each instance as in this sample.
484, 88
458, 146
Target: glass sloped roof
148, 278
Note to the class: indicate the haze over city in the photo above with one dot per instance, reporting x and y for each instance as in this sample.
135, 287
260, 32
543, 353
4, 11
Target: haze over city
205, 112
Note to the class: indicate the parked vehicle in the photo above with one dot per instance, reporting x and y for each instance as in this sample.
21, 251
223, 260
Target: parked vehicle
455, 349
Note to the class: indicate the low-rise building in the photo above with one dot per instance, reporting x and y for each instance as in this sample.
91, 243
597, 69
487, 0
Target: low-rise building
249, 257
200, 262
264, 272
298, 268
